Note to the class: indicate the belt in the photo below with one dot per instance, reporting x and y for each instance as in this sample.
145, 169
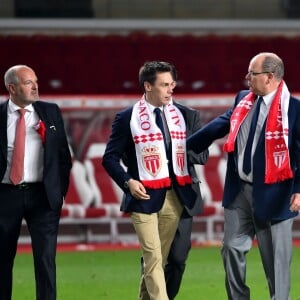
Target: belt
246, 182
23, 185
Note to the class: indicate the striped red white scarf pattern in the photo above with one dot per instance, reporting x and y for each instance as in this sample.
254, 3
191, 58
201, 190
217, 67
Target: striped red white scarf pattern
276, 136
150, 149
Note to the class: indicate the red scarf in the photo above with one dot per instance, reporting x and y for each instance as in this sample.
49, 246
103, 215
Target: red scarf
276, 136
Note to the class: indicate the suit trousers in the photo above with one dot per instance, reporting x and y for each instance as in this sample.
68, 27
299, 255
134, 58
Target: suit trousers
31, 204
283, 250
156, 232
178, 255
240, 228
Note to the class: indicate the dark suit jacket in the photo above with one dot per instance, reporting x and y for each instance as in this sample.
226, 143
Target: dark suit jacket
271, 201
57, 158
121, 143
193, 123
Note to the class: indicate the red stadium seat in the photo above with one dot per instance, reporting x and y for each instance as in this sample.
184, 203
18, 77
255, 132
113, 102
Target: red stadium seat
108, 194
92, 64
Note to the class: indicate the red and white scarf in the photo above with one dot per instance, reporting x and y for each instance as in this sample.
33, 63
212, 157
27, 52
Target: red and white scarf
150, 148
276, 136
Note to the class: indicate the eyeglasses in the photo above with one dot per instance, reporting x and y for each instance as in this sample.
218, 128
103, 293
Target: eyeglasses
251, 73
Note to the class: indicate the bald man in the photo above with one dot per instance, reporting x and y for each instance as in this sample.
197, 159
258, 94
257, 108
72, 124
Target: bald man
35, 164
262, 186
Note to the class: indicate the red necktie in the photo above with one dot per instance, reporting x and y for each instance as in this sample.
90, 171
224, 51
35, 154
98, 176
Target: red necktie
17, 166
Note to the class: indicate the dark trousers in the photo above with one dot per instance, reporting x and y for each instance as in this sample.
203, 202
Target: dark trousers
29, 203
178, 255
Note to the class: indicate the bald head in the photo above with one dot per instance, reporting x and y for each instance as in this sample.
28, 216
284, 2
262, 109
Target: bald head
11, 76
22, 85
272, 63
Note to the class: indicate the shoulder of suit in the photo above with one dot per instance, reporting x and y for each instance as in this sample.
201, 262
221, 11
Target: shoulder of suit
243, 93
187, 108
124, 115
293, 98
46, 106
4, 103
45, 103
189, 111
240, 95
126, 111
180, 106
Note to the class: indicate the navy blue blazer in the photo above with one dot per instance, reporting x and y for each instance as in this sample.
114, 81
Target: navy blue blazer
121, 143
57, 158
271, 201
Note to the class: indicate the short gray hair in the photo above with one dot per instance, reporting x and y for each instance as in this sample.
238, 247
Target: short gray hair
273, 64
10, 75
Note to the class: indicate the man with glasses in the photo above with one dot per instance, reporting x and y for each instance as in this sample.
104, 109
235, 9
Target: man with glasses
151, 135
262, 186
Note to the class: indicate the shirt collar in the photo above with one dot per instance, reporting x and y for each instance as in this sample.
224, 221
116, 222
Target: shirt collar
13, 107
151, 107
269, 98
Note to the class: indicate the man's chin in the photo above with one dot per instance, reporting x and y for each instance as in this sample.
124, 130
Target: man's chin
30, 101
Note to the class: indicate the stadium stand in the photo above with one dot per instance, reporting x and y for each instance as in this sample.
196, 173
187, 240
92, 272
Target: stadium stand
90, 65
93, 64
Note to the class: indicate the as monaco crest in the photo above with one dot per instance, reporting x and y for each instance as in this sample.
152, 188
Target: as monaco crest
233, 124
180, 157
279, 158
152, 160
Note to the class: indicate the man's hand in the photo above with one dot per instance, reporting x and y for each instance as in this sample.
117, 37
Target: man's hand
295, 202
137, 190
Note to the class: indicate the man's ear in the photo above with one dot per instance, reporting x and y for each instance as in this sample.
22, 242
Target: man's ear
147, 86
11, 88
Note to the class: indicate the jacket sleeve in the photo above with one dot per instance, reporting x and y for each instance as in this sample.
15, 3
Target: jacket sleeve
115, 149
295, 146
64, 155
204, 137
195, 124
215, 129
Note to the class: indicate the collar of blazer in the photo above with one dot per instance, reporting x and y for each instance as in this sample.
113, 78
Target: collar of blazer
3, 128
39, 110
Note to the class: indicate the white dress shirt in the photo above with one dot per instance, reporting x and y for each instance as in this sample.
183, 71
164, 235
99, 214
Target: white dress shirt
34, 150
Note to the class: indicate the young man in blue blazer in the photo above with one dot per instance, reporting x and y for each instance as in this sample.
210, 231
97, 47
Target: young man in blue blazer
157, 182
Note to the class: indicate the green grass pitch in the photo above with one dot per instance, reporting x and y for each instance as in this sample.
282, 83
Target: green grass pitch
114, 275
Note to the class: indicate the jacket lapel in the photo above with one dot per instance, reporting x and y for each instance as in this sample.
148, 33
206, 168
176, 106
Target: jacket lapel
39, 111
3, 129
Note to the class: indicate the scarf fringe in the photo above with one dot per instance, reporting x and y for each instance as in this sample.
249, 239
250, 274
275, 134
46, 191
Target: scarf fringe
183, 180
280, 176
228, 147
157, 183
166, 182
